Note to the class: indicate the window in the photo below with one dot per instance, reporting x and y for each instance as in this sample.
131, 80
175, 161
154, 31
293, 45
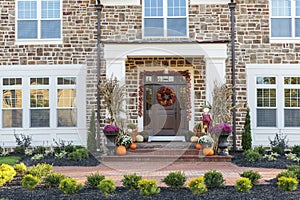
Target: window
285, 18
292, 101
39, 102
66, 102
266, 102
12, 103
165, 18
38, 19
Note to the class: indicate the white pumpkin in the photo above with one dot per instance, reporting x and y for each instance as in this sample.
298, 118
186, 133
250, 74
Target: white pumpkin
194, 139
139, 138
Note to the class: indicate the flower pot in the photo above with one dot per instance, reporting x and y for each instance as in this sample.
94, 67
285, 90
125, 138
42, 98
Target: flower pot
223, 143
111, 143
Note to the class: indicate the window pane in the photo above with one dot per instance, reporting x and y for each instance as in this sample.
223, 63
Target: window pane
281, 7
266, 117
176, 8
66, 117
66, 81
39, 98
39, 81
12, 118
265, 80
176, 27
12, 99
66, 98
297, 7
153, 27
27, 10
266, 97
39, 117
292, 117
50, 29
153, 8
50, 9
27, 29
281, 27
292, 97
297, 27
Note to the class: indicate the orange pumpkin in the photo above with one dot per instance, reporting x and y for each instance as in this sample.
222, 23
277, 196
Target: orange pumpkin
121, 150
132, 146
198, 146
208, 151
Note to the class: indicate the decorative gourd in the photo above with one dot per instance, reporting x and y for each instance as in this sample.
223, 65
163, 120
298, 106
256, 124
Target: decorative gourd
139, 138
194, 139
121, 150
198, 146
208, 151
132, 146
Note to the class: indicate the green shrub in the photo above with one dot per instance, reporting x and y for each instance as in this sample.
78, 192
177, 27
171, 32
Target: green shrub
292, 156
20, 150
246, 134
213, 179
40, 170
70, 149
53, 180
252, 155
107, 186
69, 186
20, 168
39, 150
76, 156
7, 174
130, 181
279, 143
286, 173
252, 176
93, 180
272, 156
148, 187
175, 180
243, 184
83, 151
91, 142
296, 150
260, 149
277, 149
197, 185
287, 183
30, 182
37, 157
295, 169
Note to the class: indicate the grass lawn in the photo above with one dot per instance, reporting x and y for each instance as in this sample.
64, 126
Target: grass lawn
11, 160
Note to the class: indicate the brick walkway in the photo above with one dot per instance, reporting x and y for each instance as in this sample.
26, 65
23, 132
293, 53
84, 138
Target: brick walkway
158, 170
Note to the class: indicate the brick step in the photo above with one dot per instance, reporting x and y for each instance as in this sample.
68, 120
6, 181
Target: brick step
155, 151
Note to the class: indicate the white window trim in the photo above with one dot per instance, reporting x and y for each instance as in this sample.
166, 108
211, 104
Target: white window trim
165, 17
39, 41
193, 2
292, 39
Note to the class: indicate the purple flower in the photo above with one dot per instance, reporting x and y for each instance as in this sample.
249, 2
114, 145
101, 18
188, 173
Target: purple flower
222, 128
111, 129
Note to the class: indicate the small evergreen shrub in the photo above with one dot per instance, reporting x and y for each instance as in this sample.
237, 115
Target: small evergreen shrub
20, 169
277, 149
83, 151
19, 150
197, 185
69, 186
148, 187
287, 183
286, 173
213, 179
260, 149
93, 180
175, 180
39, 150
252, 176
53, 180
91, 141
243, 184
70, 149
30, 182
295, 169
76, 156
246, 134
7, 174
296, 150
252, 155
40, 170
107, 186
130, 181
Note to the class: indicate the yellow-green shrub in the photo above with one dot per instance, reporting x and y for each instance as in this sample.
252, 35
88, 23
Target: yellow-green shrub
30, 182
69, 185
7, 174
287, 183
107, 186
243, 184
40, 170
197, 185
148, 187
20, 168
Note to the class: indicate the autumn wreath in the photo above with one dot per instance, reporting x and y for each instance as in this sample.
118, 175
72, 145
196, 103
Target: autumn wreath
166, 96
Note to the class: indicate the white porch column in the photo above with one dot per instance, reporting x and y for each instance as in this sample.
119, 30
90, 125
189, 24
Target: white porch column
215, 74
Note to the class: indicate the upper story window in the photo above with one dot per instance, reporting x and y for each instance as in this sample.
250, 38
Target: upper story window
38, 19
285, 19
165, 18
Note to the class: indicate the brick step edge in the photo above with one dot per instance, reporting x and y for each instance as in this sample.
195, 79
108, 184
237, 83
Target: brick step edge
174, 152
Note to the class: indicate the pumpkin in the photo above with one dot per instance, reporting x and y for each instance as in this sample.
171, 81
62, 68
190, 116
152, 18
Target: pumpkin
121, 150
194, 139
198, 146
139, 138
132, 146
208, 151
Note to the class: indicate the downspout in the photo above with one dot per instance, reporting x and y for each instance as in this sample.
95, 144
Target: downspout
232, 7
98, 8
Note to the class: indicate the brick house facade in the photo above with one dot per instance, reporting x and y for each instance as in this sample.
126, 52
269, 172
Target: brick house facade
40, 67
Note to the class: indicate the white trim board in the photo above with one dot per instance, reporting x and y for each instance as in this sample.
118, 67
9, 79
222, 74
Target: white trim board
166, 138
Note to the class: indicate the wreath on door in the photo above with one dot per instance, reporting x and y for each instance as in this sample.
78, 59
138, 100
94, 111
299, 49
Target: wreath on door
166, 96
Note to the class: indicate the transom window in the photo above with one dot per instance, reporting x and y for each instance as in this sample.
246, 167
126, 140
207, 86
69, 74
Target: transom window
285, 18
38, 19
165, 18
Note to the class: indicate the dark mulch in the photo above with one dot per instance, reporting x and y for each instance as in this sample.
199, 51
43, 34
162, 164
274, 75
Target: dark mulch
280, 163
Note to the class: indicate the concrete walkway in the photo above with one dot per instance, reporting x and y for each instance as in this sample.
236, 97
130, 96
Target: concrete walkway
158, 170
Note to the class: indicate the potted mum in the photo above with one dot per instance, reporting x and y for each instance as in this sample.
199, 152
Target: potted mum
207, 145
122, 142
222, 130
111, 132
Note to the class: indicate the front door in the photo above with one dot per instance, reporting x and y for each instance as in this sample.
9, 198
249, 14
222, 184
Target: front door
165, 105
